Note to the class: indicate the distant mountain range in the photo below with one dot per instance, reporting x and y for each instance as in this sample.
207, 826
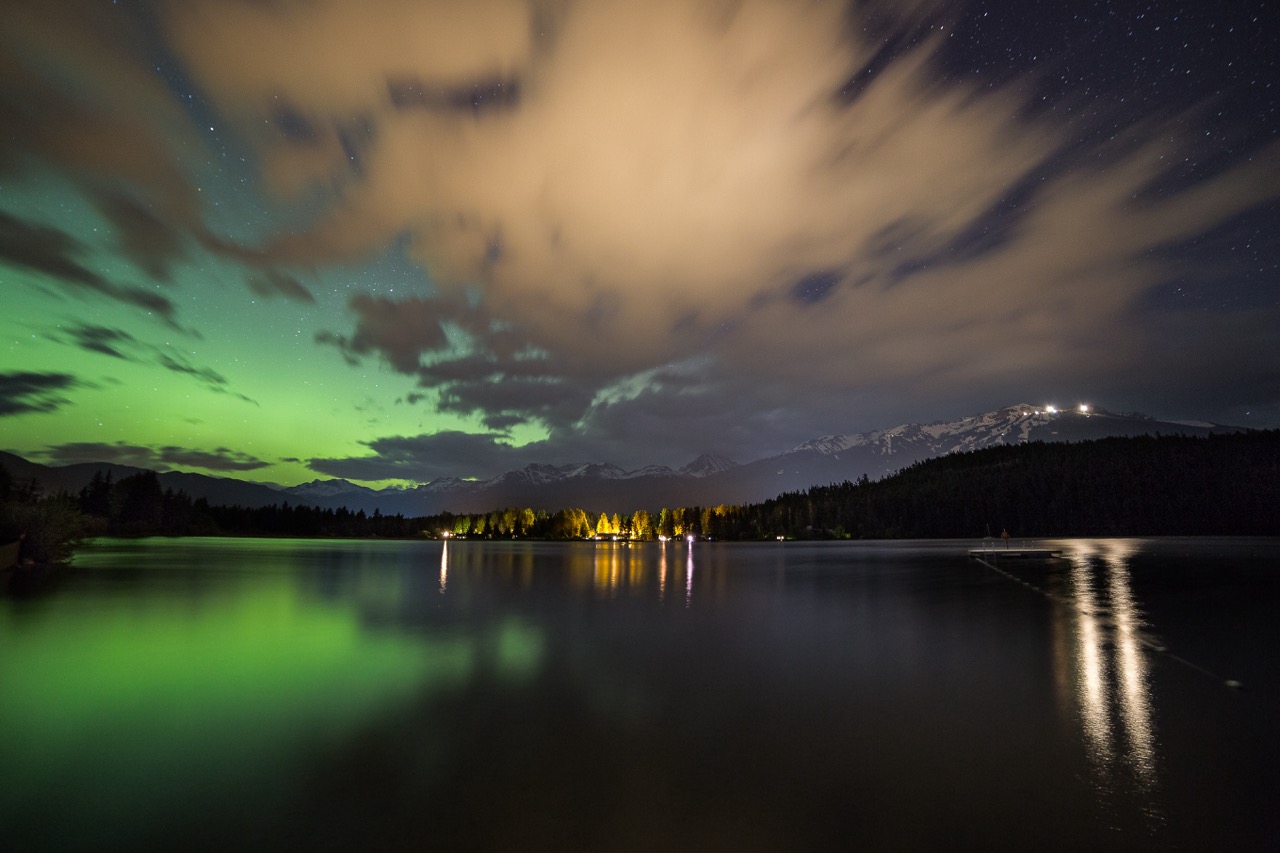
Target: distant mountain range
707, 480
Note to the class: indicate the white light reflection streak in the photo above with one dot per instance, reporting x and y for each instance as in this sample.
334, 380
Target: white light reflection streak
1131, 665
1114, 692
1091, 690
444, 565
688, 578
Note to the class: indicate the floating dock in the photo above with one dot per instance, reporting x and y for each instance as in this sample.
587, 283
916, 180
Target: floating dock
1013, 553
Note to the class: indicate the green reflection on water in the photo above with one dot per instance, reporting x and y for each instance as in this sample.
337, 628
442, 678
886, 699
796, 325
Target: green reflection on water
519, 650
122, 706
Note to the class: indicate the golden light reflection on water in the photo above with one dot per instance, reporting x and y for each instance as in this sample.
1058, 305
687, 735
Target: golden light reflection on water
620, 568
1109, 673
662, 572
608, 572
606, 569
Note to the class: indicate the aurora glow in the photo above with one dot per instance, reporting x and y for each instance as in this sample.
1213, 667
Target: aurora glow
210, 689
394, 241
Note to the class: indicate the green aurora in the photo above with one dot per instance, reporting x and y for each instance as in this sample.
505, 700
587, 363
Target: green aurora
259, 381
393, 242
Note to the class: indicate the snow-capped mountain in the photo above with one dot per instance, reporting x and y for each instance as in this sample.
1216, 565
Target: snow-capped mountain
535, 474
707, 465
1011, 425
326, 489
835, 458
597, 471
713, 479
652, 471
707, 480
444, 485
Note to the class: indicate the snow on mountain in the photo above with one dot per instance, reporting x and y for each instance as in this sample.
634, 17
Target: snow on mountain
705, 481
597, 471
446, 484
326, 489
652, 471
713, 479
1013, 424
708, 464
533, 474
828, 445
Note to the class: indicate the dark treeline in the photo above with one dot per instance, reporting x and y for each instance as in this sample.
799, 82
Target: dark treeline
50, 526
36, 528
139, 506
1146, 485
1135, 486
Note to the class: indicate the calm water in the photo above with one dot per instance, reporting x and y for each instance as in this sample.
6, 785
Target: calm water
266, 695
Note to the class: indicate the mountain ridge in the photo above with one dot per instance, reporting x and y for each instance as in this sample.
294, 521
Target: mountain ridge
706, 480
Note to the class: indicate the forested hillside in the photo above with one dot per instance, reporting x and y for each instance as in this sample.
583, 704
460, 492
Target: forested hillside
1144, 485
1136, 486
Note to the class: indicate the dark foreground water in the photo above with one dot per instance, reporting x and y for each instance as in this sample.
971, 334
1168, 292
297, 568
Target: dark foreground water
270, 695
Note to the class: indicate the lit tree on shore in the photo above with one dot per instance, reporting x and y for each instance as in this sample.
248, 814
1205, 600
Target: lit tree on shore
641, 524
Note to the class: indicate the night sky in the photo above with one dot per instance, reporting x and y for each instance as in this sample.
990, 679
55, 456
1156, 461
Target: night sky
392, 241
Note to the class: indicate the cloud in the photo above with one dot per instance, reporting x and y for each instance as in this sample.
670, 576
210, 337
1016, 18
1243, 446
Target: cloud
510, 400
53, 253
424, 458
28, 391
162, 458
79, 96
145, 238
102, 339
219, 459
401, 331
631, 431
82, 95
272, 282
788, 196
118, 343
207, 376
654, 225
178, 364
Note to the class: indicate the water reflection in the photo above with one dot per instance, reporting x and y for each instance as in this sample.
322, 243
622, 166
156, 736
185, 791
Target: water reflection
662, 573
624, 568
828, 696
606, 569
1109, 674
1131, 662
1091, 686
688, 575
608, 575
444, 566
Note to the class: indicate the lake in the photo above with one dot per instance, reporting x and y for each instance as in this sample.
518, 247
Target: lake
240, 694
